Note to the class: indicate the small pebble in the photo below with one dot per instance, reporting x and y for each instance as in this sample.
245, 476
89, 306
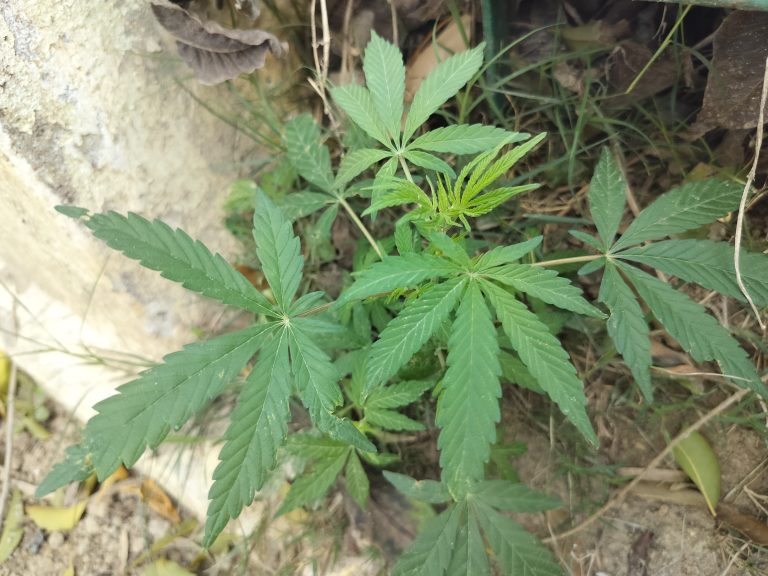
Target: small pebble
36, 542
56, 540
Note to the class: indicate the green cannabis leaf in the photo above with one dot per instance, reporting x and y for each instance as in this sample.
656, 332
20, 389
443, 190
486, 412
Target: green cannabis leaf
453, 542
163, 398
704, 262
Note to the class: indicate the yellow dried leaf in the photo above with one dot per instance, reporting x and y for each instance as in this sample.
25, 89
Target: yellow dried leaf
699, 461
159, 501
70, 571
56, 519
13, 528
165, 567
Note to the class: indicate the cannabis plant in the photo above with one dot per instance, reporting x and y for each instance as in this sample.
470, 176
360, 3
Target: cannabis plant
431, 312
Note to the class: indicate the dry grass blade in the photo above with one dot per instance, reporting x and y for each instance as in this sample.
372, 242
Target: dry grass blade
745, 195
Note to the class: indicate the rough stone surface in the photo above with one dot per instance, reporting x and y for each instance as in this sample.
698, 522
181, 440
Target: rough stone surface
93, 112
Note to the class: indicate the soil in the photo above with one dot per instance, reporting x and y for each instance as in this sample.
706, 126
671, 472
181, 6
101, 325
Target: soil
121, 534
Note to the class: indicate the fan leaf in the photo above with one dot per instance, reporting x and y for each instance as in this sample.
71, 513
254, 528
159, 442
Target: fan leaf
707, 263
607, 197
164, 397
278, 249
627, 327
410, 330
684, 208
544, 356
698, 332
258, 427
468, 409
385, 76
179, 258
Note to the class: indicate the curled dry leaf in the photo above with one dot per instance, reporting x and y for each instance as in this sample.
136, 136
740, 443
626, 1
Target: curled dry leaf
216, 53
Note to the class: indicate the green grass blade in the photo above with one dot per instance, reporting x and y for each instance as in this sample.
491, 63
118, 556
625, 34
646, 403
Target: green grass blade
627, 327
468, 409
544, 356
410, 330
179, 258
707, 263
607, 197
258, 427
278, 250
385, 76
684, 208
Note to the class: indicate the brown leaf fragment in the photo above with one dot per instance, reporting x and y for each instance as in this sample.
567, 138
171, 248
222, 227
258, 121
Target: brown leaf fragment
732, 96
215, 53
754, 529
637, 559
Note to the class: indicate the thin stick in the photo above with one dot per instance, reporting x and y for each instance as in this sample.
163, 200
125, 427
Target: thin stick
659, 52
361, 227
745, 195
571, 260
9, 407
619, 498
321, 67
395, 34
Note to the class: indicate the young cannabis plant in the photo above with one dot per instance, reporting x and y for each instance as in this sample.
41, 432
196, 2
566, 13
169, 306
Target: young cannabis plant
704, 262
163, 398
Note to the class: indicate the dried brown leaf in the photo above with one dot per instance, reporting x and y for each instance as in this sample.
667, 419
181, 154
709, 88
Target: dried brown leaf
216, 53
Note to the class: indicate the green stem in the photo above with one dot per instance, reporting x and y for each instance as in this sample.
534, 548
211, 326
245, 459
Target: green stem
361, 227
405, 168
572, 260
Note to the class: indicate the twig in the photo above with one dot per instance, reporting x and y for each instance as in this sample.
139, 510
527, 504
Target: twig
345, 66
9, 407
745, 195
619, 498
359, 223
571, 260
321, 67
395, 34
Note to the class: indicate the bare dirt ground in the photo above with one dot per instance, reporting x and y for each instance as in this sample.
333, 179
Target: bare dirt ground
127, 529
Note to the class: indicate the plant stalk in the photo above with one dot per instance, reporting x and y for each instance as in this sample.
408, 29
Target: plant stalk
361, 227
